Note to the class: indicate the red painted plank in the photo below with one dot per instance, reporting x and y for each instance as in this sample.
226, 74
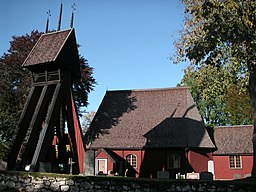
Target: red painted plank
79, 138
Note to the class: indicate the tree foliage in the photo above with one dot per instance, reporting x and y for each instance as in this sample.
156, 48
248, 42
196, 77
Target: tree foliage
15, 83
238, 106
216, 31
82, 87
207, 91
221, 33
221, 98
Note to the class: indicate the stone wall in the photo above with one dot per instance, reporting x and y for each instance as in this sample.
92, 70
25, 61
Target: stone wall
16, 181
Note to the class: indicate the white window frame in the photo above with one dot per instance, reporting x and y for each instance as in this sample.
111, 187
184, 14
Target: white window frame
130, 163
237, 160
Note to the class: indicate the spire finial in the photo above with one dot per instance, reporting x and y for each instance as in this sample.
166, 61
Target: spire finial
72, 16
47, 22
59, 24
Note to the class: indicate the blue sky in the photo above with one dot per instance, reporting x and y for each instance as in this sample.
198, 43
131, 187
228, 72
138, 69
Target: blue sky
127, 42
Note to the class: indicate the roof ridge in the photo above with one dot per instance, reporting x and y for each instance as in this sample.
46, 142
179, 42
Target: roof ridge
233, 126
53, 32
149, 89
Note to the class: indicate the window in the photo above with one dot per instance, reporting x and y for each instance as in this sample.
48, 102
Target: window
131, 160
102, 166
173, 161
235, 162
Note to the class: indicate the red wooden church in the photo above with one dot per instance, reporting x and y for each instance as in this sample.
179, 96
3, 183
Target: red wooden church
48, 129
141, 132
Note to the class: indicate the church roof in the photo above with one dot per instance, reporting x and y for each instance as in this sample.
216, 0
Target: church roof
233, 139
154, 118
55, 49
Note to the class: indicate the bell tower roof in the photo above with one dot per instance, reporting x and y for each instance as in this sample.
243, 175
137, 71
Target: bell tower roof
56, 49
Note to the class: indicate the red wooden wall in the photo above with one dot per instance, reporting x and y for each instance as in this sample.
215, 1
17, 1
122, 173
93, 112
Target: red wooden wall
222, 170
123, 153
199, 161
153, 161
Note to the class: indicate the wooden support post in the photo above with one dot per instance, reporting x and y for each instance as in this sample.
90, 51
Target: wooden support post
40, 148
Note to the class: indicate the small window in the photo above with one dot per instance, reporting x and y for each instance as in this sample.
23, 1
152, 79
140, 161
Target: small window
102, 166
173, 161
132, 160
235, 162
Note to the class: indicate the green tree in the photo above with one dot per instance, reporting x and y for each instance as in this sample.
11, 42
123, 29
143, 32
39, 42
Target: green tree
219, 103
207, 91
238, 106
15, 84
220, 32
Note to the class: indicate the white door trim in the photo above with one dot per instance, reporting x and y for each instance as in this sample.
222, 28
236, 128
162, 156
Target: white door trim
105, 165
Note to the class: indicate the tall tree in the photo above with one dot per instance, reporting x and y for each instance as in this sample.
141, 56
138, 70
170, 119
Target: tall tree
219, 102
15, 84
207, 91
217, 32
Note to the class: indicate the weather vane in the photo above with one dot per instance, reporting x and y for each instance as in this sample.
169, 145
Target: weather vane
49, 13
74, 6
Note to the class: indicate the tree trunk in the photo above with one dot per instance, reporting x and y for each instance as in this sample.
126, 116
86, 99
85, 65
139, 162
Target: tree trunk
252, 91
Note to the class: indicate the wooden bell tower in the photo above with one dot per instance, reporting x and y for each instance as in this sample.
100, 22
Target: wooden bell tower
49, 129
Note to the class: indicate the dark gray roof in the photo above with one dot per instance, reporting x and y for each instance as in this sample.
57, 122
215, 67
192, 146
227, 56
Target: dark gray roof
233, 139
55, 49
47, 48
153, 118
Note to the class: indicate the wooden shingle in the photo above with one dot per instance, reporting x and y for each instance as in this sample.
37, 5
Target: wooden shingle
154, 118
233, 139
55, 50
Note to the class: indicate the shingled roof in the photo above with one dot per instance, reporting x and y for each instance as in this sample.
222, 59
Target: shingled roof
55, 49
233, 139
154, 118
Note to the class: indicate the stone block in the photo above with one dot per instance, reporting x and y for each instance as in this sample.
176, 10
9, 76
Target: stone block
3, 165
55, 186
10, 184
64, 188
